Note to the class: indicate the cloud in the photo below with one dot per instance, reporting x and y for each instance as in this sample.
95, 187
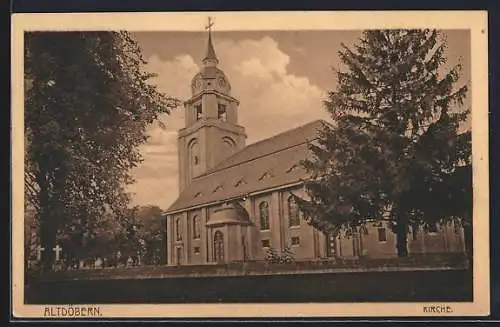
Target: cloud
272, 100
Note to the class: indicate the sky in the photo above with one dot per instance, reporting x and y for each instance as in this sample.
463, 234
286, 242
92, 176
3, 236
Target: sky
279, 77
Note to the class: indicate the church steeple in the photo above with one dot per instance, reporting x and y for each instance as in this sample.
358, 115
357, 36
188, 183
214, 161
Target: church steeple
210, 76
211, 131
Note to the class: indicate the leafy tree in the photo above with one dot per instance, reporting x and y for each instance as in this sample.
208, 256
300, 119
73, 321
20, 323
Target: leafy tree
394, 152
143, 234
129, 240
87, 107
152, 222
153, 233
101, 239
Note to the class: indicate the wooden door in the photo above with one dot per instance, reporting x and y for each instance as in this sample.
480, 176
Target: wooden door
219, 246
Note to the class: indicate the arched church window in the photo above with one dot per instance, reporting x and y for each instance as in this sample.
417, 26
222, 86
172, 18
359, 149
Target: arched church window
196, 227
178, 229
293, 212
222, 113
264, 215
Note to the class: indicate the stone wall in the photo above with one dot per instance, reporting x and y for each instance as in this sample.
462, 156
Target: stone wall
408, 286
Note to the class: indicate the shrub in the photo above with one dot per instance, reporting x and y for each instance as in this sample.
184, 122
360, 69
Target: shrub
271, 256
287, 256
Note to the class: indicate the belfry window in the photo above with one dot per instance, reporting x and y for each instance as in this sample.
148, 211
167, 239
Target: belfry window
222, 113
198, 111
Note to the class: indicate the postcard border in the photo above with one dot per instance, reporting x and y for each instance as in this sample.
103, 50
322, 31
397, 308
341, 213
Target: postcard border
476, 21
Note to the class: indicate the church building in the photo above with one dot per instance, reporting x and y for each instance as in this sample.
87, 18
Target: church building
235, 199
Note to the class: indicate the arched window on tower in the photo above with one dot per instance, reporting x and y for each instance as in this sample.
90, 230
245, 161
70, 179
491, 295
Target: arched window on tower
178, 229
293, 212
229, 145
196, 227
193, 158
264, 215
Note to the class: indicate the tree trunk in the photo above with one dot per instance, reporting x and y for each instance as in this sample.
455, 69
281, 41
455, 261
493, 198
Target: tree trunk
468, 244
45, 232
48, 227
51, 182
402, 239
48, 241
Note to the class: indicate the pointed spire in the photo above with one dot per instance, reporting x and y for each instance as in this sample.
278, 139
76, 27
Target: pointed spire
210, 49
210, 55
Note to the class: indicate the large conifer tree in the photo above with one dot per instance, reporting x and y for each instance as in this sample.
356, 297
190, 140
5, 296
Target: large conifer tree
394, 151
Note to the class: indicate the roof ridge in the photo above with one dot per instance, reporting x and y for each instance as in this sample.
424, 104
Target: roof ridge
230, 198
221, 165
285, 132
251, 159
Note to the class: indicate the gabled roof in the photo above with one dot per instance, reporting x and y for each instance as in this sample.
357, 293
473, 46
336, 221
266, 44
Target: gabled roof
270, 163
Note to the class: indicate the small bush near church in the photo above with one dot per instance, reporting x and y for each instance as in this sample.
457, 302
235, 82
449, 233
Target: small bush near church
287, 256
271, 256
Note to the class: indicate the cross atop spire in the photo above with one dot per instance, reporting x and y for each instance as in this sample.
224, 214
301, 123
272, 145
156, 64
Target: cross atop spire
210, 24
210, 57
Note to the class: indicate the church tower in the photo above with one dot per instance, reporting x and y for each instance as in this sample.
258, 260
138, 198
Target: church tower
211, 132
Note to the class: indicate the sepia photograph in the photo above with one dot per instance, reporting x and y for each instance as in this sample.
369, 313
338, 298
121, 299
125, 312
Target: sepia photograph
250, 164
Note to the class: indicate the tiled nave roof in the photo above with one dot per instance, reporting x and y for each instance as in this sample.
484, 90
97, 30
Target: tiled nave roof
266, 164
